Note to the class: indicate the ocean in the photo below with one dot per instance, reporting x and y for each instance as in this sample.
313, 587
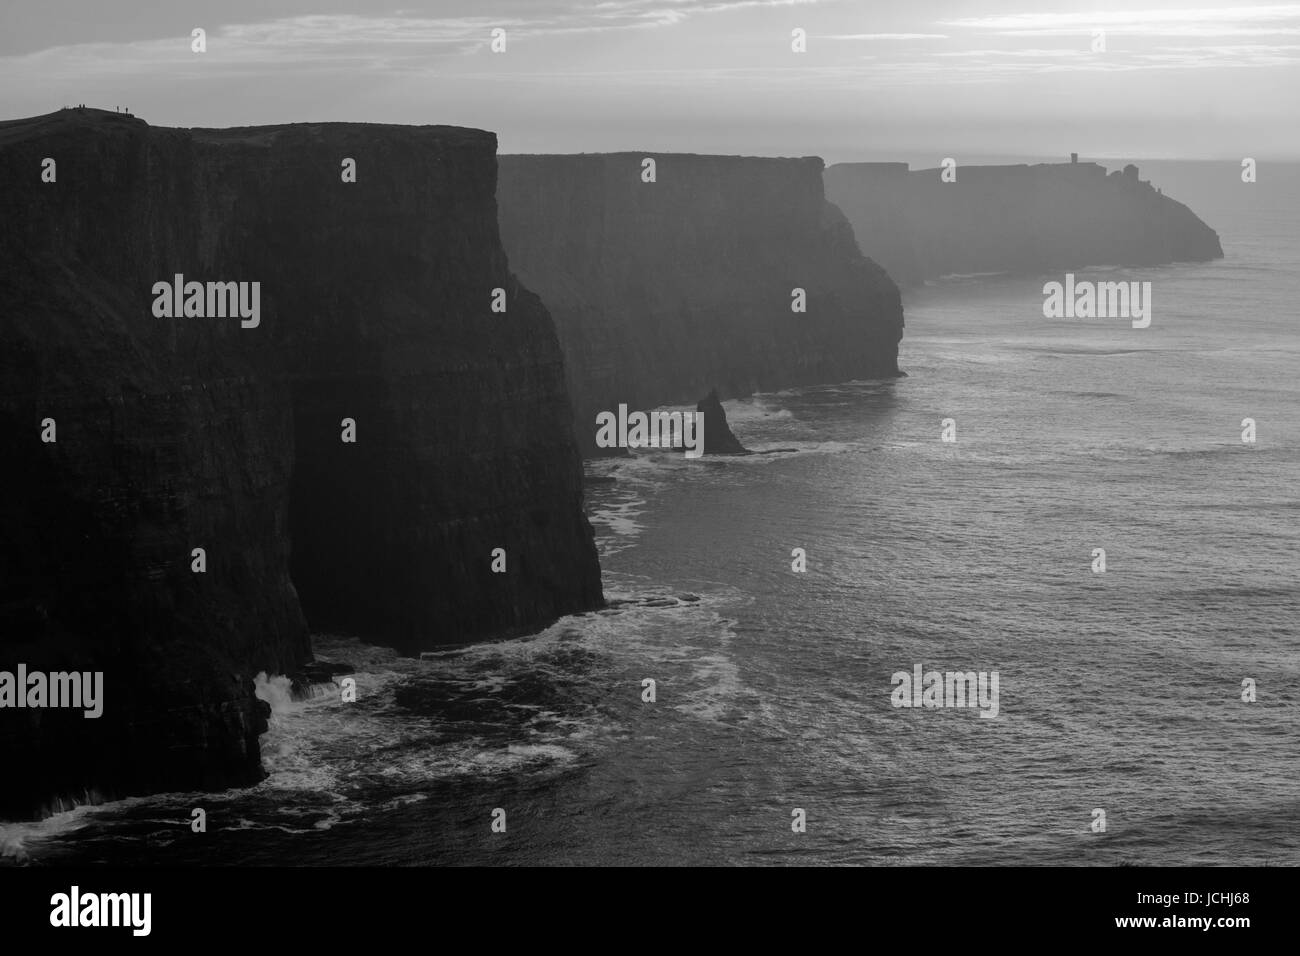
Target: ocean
1119, 692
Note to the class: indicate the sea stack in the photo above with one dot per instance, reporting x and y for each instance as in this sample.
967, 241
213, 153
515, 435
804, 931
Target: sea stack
718, 438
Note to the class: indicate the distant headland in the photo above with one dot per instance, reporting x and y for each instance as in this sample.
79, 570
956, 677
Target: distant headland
922, 224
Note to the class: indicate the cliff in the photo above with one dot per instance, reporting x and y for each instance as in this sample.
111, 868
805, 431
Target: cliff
1023, 218
198, 432
662, 289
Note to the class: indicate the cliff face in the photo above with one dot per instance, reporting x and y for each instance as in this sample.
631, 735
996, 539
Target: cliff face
661, 290
194, 432
1013, 219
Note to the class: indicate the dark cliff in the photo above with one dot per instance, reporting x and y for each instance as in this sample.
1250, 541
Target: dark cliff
181, 433
1013, 219
661, 290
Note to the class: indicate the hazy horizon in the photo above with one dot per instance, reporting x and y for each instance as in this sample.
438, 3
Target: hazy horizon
889, 80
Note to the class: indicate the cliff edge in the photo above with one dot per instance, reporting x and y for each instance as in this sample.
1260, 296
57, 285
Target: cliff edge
723, 270
195, 430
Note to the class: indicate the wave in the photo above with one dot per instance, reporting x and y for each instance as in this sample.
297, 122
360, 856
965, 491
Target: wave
530, 707
755, 408
20, 840
24, 841
962, 276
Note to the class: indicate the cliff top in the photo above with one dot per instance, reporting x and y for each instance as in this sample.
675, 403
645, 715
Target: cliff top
638, 155
89, 118
985, 168
71, 118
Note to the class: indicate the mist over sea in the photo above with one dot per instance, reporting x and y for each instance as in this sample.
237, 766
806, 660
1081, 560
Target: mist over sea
1119, 691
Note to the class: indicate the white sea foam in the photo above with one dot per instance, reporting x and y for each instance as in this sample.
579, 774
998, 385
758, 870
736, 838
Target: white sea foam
752, 409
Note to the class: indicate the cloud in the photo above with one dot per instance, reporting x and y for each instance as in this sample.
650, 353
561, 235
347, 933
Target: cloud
1150, 19
883, 36
381, 42
1041, 54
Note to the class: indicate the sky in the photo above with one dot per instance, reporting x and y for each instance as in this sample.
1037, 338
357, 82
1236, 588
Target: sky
910, 80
